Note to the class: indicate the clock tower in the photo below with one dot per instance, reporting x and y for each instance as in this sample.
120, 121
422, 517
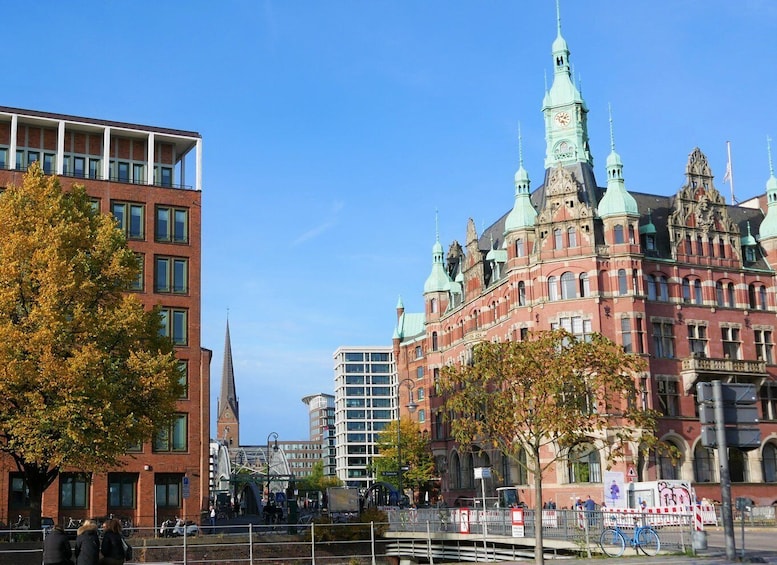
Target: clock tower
566, 128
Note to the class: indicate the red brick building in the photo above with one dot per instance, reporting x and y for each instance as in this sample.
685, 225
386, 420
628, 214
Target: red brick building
139, 174
684, 280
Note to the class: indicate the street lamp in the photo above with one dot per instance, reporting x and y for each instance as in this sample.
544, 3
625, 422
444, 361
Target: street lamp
275, 448
411, 407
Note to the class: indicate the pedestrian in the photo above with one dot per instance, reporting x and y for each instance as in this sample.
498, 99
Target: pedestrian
212, 514
56, 548
590, 507
112, 547
87, 550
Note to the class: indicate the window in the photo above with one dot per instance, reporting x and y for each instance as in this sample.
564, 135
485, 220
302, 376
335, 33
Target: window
669, 395
652, 289
762, 297
719, 294
626, 335
697, 340
703, 464
584, 465
722, 248
172, 437
769, 401
48, 163
553, 288
3, 158
663, 285
166, 176
568, 287
575, 325
420, 393
769, 457
663, 339
130, 218
121, 490
168, 490
95, 169
519, 250
730, 295
183, 378
686, 290
699, 245
171, 274
618, 233
730, 337
650, 242
623, 286
763, 345
174, 325
521, 293
698, 298
632, 238
419, 352
585, 285
737, 464
688, 244
19, 493
558, 240
73, 490
419, 372
572, 237
138, 173
640, 335
172, 224
669, 467
421, 415
137, 284
434, 341
79, 167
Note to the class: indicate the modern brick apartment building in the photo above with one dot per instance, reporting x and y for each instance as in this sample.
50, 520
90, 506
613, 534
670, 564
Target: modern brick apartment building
685, 280
139, 174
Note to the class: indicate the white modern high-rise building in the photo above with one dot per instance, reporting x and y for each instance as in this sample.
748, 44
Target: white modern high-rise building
365, 404
321, 413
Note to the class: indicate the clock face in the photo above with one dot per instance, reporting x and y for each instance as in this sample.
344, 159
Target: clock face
562, 118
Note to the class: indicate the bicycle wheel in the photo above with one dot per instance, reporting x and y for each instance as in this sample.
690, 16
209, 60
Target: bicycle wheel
612, 542
648, 542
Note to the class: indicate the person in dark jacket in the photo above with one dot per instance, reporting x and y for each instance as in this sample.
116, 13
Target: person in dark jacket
111, 547
88, 544
56, 548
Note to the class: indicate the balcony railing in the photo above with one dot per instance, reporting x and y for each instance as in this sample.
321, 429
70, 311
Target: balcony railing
696, 369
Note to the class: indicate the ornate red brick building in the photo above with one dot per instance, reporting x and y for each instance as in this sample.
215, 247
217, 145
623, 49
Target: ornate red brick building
137, 173
684, 280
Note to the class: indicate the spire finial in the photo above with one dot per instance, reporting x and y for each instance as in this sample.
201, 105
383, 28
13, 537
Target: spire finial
437, 224
769, 151
558, 16
612, 135
520, 146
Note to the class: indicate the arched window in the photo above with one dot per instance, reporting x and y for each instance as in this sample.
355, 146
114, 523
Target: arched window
585, 286
521, 293
688, 244
623, 287
476, 319
584, 465
494, 312
703, 464
762, 297
686, 290
632, 238
652, 288
663, 284
434, 341
737, 465
568, 289
553, 288
455, 471
751, 294
519, 251
558, 239
698, 297
433, 305
732, 302
719, 294
699, 245
668, 464
722, 248
618, 233
769, 458
572, 237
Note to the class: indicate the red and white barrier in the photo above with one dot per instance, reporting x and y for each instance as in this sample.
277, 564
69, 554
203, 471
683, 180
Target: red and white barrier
700, 514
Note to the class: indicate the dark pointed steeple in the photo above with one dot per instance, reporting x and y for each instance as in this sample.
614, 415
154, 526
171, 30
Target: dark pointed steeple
228, 406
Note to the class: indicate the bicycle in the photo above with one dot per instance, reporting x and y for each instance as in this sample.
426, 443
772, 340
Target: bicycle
644, 538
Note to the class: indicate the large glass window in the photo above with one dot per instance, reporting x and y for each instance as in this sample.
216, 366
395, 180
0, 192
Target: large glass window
558, 239
173, 437
669, 396
19, 495
174, 325
73, 490
731, 343
769, 458
697, 339
168, 490
618, 231
652, 287
121, 490
763, 345
572, 237
172, 224
703, 464
669, 465
553, 288
171, 274
769, 401
626, 335
130, 218
663, 339
3, 158
584, 465
568, 286
623, 287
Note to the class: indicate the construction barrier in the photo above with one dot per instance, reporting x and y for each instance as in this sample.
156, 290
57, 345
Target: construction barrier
661, 516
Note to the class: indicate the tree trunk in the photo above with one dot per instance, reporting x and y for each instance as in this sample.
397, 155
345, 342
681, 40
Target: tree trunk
539, 557
35, 486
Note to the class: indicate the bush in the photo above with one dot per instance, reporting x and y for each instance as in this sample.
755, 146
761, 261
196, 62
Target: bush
357, 528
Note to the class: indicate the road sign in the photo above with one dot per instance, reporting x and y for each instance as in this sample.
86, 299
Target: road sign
733, 393
390, 473
739, 414
745, 439
185, 490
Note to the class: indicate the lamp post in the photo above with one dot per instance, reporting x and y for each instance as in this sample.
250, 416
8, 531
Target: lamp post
275, 448
411, 407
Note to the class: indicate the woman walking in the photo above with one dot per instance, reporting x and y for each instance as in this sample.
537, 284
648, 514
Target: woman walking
87, 544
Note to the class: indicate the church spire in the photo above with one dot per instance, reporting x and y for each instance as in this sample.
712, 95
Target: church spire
768, 227
616, 201
438, 280
523, 214
228, 406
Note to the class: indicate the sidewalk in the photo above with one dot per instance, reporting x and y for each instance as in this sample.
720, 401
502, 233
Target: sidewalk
709, 557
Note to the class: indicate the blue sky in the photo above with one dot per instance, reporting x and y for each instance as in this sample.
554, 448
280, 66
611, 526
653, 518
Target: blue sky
334, 130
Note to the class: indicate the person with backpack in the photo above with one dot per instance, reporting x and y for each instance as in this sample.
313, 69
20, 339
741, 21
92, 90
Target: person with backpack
87, 550
56, 548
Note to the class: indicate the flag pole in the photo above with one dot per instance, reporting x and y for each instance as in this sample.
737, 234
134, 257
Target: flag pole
730, 173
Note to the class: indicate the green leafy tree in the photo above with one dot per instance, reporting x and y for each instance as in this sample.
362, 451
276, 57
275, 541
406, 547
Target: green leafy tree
415, 451
317, 481
544, 396
84, 372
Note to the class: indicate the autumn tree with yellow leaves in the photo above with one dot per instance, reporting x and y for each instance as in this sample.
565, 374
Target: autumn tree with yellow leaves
84, 371
543, 396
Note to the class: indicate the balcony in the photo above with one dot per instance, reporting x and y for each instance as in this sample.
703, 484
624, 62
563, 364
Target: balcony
702, 369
